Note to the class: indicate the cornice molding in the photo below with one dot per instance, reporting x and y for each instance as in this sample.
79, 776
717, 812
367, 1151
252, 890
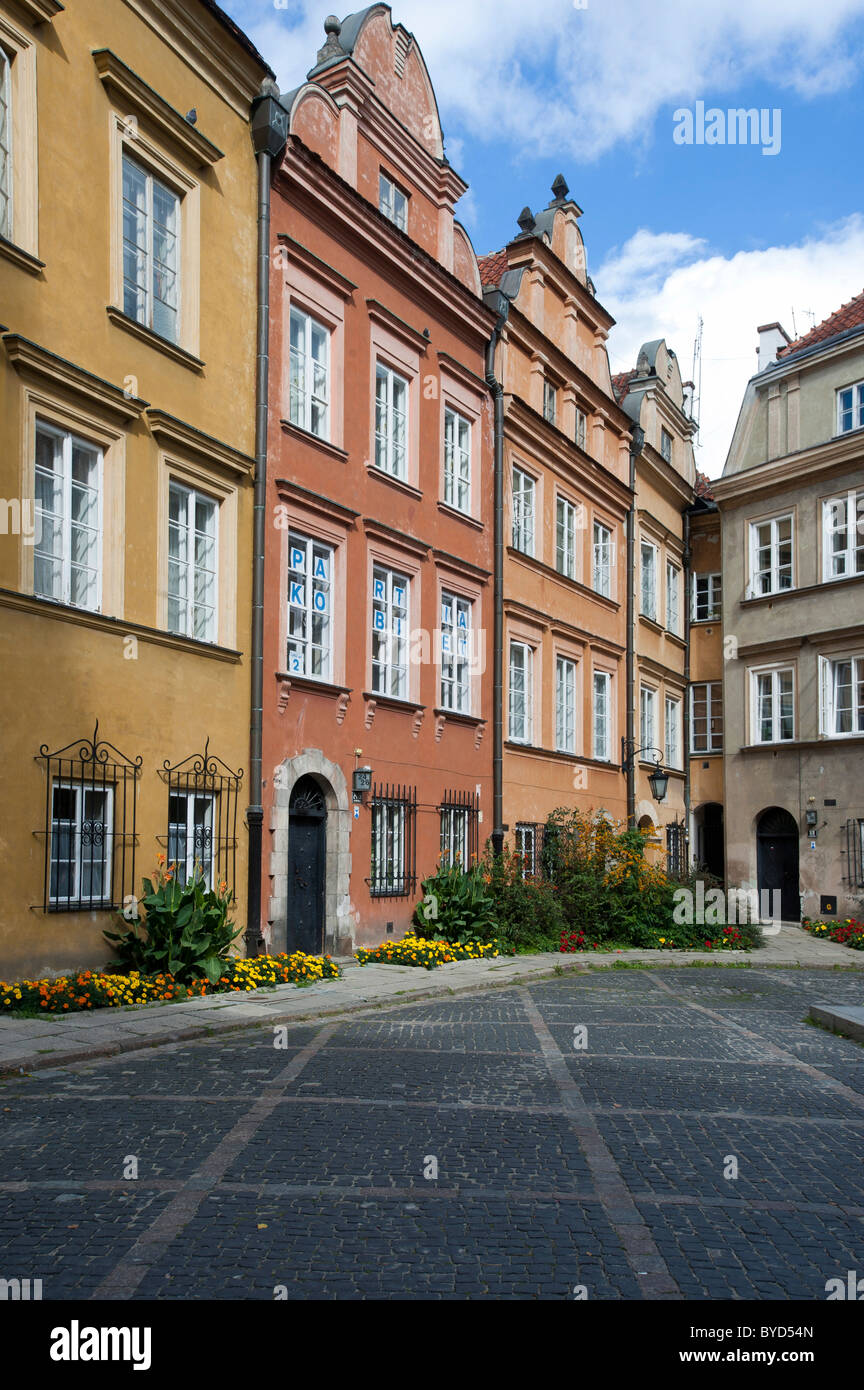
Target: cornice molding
444, 559
41, 11
186, 138
32, 360
176, 434
207, 48
333, 279
835, 455
317, 502
379, 313
399, 538
449, 364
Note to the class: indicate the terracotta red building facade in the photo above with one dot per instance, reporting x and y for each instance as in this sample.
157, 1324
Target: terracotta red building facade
380, 550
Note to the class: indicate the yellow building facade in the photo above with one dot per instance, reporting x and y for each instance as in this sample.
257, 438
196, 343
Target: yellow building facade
127, 413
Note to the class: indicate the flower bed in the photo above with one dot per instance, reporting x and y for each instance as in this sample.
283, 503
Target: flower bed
91, 989
426, 954
684, 939
847, 933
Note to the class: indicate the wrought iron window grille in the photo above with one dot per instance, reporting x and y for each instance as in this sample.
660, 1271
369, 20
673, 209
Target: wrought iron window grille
203, 795
855, 852
394, 841
89, 829
676, 853
460, 828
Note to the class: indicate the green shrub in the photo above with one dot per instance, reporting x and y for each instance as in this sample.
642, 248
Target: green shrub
457, 906
186, 932
527, 909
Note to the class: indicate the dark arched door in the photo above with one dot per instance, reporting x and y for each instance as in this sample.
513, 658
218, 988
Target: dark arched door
777, 861
307, 850
711, 839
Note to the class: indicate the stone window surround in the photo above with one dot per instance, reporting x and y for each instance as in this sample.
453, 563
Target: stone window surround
21, 50
340, 919
335, 534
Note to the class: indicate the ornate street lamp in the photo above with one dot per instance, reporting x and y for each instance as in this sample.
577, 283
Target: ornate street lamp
658, 780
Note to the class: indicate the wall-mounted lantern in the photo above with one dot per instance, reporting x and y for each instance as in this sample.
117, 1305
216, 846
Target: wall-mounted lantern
362, 782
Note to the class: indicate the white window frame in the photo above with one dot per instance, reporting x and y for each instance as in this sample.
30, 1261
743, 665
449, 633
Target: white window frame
303, 399
774, 570
454, 837
673, 599
524, 495
667, 443
525, 840
648, 595
310, 598
713, 714
580, 433
851, 526
188, 827
647, 721
524, 732
186, 627
713, 598
391, 454
601, 568
68, 441
774, 675
456, 652
855, 407
601, 716
828, 703
73, 901
389, 857
566, 514
550, 401
457, 460
392, 202
150, 300
391, 617
7, 189
565, 704
672, 731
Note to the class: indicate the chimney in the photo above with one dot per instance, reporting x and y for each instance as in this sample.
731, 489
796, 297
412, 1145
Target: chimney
772, 337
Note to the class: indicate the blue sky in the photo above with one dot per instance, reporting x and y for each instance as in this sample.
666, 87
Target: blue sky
672, 231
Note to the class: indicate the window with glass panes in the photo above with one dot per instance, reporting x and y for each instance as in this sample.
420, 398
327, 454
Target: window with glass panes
456, 653
707, 597
706, 717
151, 251
457, 460
526, 848
770, 556
80, 857
672, 727
602, 567
843, 536
648, 554
521, 692
392, 202
843, 696
391, 421
190, 836
773, 706
602, 716
390, 592
68, 531
5, 146
309, 374
673, 587
550, 402
565, 538
310, 598
192, 588
454, 836
850, 408
647, 719
666, 445
565, 705
581, 432
523, 511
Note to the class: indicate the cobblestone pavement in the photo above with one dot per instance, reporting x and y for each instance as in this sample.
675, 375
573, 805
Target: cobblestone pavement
309, 1171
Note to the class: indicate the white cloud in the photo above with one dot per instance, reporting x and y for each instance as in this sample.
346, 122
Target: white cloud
552, 78
657, 285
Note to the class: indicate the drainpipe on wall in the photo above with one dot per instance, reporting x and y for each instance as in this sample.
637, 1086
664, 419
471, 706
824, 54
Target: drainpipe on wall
686, 720
636, 445
499, 303
269, 121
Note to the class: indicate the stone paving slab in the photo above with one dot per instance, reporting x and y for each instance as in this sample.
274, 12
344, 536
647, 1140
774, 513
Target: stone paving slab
29, 1044
848, 1020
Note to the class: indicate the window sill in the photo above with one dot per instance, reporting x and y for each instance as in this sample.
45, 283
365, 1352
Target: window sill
390, 702
472, 721
841, 579
399, 483
706, 622
469, 520
309, 686
307, 437
652, 623
155, 340
46, 607
18, 256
